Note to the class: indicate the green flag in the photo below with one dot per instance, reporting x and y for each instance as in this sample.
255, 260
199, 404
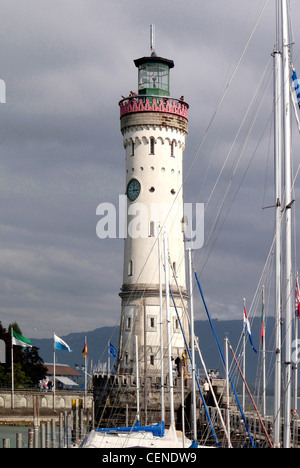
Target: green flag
19, 340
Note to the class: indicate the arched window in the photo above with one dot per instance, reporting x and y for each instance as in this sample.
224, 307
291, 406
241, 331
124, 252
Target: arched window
152, 145
130, 268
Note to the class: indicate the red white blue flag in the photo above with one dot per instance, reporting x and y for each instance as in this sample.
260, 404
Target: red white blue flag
247, 329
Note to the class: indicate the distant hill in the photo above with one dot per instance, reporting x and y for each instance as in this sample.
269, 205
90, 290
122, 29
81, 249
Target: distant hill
98, 340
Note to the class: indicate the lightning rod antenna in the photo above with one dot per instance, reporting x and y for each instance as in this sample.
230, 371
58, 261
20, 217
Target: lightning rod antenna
152, 39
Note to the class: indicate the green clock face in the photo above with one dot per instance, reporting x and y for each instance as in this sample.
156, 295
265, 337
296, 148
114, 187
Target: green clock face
133, 189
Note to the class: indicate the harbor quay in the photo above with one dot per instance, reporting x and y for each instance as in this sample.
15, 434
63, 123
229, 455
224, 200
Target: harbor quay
58, 420
30, 404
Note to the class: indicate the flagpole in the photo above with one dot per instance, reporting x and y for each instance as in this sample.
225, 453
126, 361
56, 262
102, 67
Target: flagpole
295, 363
85, 371
244, 356
12, 371
227, 391
54, 371
108, 359
264, 352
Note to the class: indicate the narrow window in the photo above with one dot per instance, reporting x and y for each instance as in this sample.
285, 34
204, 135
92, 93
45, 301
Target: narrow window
174, 268
152, 143
152, 360
172, 149
132, 148
152, 322
128, 323
152, 229
175, 325
130, 268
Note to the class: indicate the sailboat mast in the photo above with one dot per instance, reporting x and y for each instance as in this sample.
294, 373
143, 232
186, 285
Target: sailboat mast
288, 221
296, 318
192, 345
278, 293
161, 331
168, 315
263, 352
278, 148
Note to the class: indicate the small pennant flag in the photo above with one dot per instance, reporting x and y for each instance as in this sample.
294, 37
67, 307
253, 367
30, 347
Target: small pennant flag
61, 344
19, 340
262, 328
247, 328
297, 299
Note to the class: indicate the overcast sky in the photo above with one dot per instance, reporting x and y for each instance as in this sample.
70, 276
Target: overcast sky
66, 64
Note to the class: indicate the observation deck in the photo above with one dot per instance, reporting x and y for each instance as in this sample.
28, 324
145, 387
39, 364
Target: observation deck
144, 103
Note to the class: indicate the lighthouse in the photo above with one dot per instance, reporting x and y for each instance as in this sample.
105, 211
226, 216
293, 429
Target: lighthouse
154, 127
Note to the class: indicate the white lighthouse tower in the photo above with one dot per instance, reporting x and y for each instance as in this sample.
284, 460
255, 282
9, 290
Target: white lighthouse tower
154, 127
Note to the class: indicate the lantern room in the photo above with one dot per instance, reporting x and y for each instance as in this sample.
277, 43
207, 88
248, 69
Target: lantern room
154, 75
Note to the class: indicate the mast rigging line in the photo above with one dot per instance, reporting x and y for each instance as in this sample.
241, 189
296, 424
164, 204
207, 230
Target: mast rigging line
190, 357
223, 359
251, 397
227, 88
237, 190
258, 93
194, 342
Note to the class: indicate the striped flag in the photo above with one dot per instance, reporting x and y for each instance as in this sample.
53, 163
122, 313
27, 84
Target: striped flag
85, 350
61, 344
19, 340
247, 328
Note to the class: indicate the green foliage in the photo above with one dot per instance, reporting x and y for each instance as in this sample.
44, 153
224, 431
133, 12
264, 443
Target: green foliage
28, 365
20, 378
3, 376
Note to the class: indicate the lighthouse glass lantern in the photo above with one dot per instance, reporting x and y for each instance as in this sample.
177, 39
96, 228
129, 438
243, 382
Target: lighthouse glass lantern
154, 76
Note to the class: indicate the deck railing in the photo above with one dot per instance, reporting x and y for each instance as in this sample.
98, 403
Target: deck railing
140, 103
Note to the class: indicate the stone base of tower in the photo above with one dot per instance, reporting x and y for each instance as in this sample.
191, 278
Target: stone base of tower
116, 402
